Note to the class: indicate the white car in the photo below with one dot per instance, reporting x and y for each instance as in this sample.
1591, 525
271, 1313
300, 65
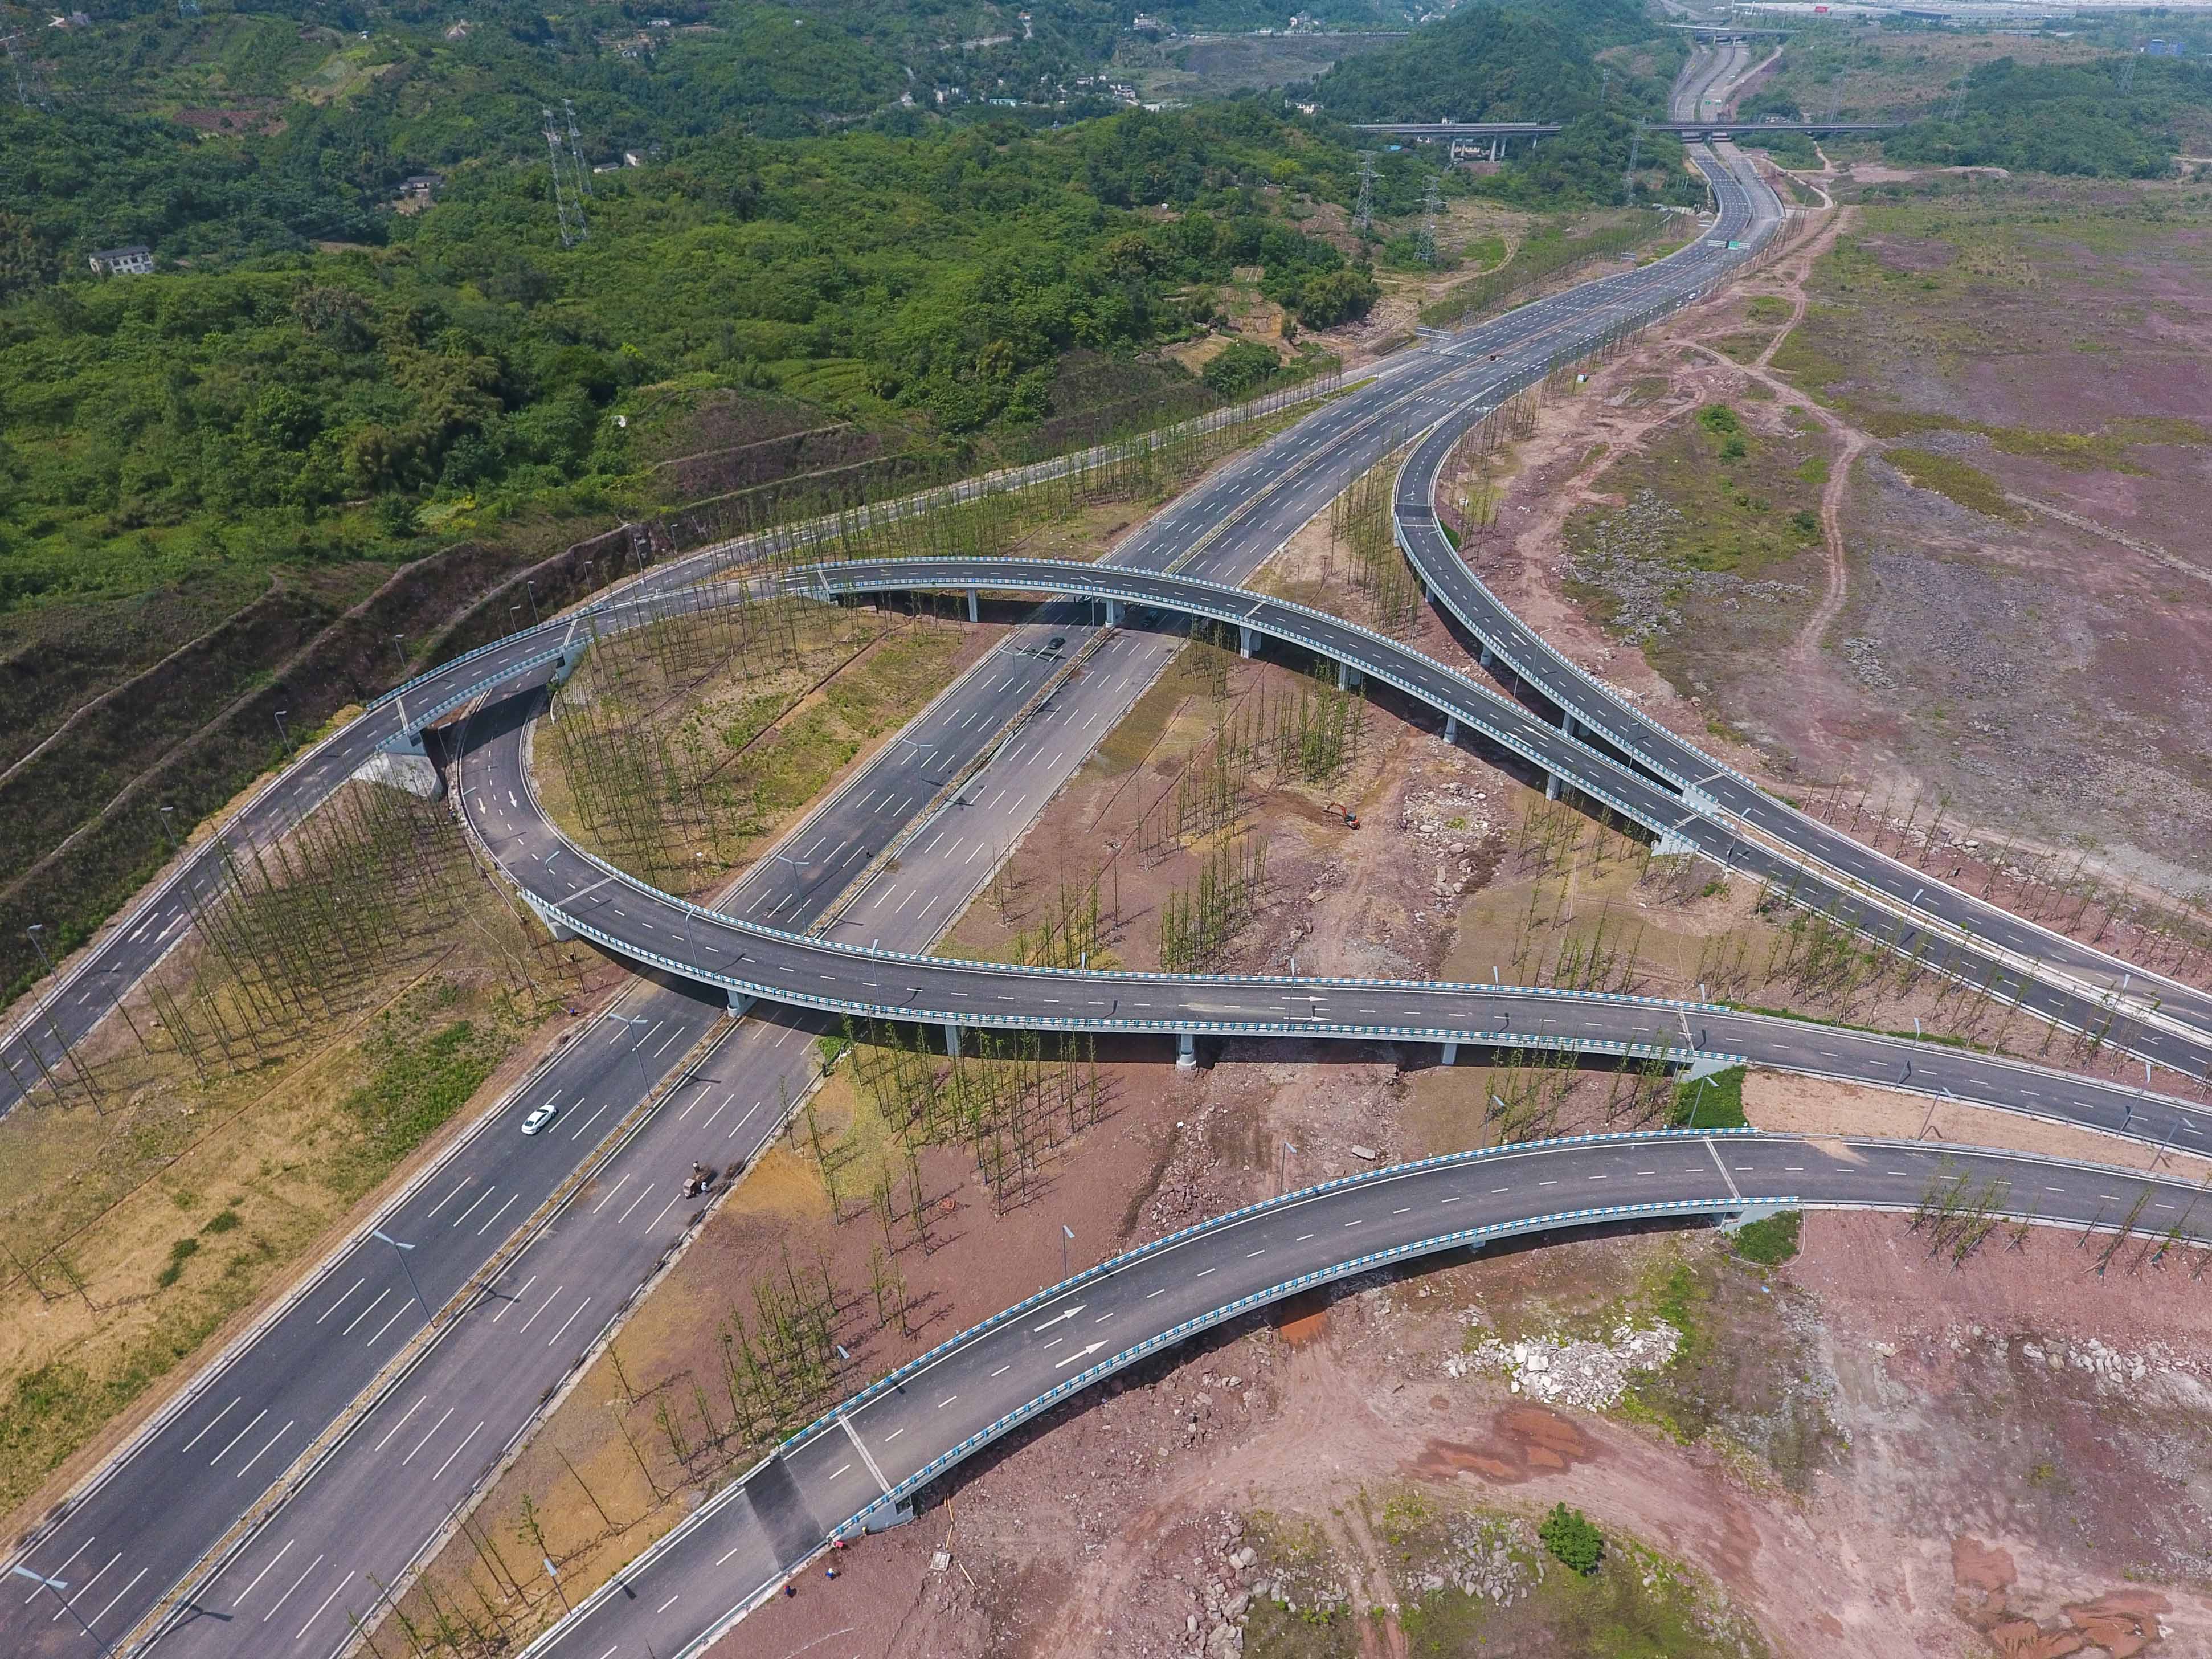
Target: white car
539, 1119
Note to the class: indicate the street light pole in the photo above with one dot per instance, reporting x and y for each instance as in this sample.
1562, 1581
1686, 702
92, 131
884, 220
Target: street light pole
400, 650
636, 1050
168, 826
57, 1586
1067, 1238
376, 1232
535, 619
283, 736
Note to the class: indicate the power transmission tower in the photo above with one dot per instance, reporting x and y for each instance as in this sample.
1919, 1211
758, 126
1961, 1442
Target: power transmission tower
576, 150
1363, 216
2128, 74
1604, 85
188, 8
1432, 203
567, 204
30, 90
1958, 105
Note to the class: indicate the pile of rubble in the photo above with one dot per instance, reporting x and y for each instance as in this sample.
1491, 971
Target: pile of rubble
1222, 1591
1624, 556
1589, 1374
1496, 1558
1453, 823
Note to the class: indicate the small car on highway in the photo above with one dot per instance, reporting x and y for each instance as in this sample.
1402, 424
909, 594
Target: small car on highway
539, 1118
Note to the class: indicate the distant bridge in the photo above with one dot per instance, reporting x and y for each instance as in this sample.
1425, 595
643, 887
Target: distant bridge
1433, 131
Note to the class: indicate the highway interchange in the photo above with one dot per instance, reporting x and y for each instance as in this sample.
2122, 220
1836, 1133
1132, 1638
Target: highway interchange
407, 1452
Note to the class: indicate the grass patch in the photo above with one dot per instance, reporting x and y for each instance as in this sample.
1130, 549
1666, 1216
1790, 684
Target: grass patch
1769, 308
1769, 1242
1710, 1103
423, 1073
1966, 486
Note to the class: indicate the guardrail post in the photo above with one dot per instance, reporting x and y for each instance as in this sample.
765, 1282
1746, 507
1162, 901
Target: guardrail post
1186, 1051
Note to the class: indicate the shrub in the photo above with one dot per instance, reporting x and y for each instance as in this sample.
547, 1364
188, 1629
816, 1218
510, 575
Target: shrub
180, 1253
1573, 1539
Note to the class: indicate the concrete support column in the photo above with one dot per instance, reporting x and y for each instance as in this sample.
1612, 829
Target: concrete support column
1567, 724
952, 1040
1244, 641
1186, 1051
1115, 613
1451, 728
1482, 656
975, 612
1551, 785
1451, 1054
1347, 676
560, 930
740, 1003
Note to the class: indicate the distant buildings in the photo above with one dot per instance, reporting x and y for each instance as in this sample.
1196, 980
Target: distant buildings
135, 260
2156, 48
420, 186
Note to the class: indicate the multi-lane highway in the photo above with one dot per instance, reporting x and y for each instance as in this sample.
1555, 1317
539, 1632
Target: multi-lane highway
876, 1450
394, 1458
299, 1380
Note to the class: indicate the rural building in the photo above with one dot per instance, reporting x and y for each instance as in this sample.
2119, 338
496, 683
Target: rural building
135, 260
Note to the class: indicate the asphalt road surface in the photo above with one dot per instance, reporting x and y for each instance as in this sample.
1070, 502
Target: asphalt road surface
910, 1429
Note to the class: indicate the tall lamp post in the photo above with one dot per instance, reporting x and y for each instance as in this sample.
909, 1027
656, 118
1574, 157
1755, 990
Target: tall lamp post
57, 1586
402, 1249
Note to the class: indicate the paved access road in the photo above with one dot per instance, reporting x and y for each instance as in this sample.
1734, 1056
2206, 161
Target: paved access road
904, 1431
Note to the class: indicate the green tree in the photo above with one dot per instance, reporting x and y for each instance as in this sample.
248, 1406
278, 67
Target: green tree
1574, 1542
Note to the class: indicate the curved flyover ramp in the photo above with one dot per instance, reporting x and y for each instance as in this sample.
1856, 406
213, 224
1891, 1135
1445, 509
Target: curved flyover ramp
861, 1463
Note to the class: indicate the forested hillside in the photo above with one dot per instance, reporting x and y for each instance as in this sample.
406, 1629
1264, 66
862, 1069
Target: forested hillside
1517, 60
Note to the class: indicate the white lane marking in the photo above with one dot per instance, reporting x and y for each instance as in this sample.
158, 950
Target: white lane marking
1722, 1168
112, 1600
542, 1307
514, 1301
400, 1425
186, 1447
570, 1321
240, 1436
456, 1452
365, 1312
318, 1613
295, 1585
257, 1457
263, 1574
425, 1440
340, 1302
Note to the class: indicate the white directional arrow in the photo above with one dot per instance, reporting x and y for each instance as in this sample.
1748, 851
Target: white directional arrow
1079, 1353
1056, 1318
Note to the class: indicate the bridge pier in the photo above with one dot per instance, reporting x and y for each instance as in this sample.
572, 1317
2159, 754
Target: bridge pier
1451, 728
1551, 785
1244, 641
1451, 1054
1347, 676
1482, 655
561, 931
1567, 723
975, 609
1115, 613
1186, 1051
952, 1040
740, 1004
